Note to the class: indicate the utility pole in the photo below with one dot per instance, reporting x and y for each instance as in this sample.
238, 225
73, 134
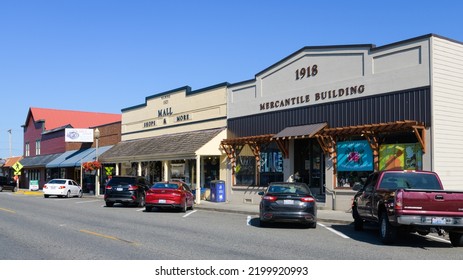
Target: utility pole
9, 131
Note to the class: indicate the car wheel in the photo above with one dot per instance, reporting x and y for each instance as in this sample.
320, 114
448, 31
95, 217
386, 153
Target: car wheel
192, 205
313, 225
387, 232
148, 208
456, 238
109, 204
1, 188
46, 196
141, 203
80, 194
185, 207
358, 222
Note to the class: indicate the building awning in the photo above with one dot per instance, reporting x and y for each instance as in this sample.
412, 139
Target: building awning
9, 162
38, 161
301, 131
164, 147
76, 157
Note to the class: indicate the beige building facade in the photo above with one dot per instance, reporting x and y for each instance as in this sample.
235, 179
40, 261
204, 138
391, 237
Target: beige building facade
175, 135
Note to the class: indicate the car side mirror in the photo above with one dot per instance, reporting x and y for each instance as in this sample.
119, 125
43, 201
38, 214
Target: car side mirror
260, 193
357, 187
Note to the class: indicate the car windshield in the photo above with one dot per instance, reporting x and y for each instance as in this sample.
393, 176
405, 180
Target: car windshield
298, 189
119, 181
54, 181
165, 186
421, 181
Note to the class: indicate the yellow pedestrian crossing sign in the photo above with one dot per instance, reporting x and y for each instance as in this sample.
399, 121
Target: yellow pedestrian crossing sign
109, 170
17, 173
17, 166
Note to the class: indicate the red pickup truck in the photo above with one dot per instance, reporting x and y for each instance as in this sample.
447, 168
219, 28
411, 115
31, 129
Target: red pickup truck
414, 201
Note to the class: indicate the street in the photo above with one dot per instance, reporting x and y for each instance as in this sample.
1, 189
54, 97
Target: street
35, 228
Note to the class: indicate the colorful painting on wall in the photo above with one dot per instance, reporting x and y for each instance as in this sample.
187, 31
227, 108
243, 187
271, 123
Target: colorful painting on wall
400, 156
354, 156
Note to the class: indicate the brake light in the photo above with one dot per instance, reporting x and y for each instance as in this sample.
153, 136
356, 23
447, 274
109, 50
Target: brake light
270, 198
133, 188
62, 187
108, 187
176, 193
308, 199
399, 203
45, 186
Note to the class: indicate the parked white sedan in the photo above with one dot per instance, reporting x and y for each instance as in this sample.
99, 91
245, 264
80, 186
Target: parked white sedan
62, 188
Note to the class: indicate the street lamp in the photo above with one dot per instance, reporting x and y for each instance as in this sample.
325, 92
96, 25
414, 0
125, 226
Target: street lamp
97, 177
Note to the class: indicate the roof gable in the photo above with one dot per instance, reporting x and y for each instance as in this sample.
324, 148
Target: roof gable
54, 118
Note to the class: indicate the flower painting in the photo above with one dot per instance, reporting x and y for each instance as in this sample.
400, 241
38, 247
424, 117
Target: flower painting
354, 156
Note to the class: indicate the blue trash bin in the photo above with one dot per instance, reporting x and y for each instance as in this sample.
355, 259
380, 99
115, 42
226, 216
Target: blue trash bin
218, 191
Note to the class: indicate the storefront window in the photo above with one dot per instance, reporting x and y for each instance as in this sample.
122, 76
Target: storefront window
354, 163
271, 166
245, 170
400, 156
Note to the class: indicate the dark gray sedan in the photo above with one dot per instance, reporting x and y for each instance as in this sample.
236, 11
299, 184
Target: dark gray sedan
288, 202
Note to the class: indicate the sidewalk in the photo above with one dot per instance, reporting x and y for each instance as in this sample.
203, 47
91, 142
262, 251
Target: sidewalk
239, 207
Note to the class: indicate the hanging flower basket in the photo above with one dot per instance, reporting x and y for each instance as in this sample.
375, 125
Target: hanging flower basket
90, 166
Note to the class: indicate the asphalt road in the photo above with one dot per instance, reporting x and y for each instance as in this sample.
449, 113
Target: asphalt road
35, 228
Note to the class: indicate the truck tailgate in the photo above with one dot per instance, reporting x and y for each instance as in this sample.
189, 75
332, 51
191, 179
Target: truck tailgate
434, 202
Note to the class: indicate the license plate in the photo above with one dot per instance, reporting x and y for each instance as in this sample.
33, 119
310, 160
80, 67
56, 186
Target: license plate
120, 189
162, 201
288, 201
53, 187
438, 221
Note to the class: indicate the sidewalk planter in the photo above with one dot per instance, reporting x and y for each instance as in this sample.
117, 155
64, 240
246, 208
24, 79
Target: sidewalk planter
218, 191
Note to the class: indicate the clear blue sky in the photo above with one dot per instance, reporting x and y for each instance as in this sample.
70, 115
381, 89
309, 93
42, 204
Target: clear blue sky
105, 55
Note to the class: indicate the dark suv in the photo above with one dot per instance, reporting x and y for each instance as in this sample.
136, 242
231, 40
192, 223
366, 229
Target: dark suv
7, 183
126, 190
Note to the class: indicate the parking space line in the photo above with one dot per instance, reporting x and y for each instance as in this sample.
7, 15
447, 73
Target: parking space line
186, 215
141, 209
334, 231
248, 220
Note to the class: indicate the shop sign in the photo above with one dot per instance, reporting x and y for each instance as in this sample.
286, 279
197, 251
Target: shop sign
82, 135
400, 156
354, 156
34, 185
312, 98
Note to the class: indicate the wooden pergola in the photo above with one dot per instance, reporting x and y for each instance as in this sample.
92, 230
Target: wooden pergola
328, 137
233, 147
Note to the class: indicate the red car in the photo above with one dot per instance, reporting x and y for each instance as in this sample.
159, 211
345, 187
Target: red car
173, 195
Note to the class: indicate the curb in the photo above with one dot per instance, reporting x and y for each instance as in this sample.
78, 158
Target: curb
27, 192
319, 219
197, 206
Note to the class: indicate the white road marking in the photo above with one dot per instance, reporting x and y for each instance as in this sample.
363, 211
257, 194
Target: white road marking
334, 231
142, 209
88, 201
248, 220
437, 238
186, 215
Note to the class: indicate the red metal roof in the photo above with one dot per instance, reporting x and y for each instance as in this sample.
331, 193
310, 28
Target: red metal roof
55, 118
11, 161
